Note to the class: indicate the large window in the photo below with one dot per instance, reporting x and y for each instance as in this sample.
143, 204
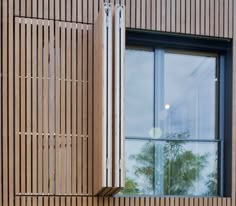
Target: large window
173, 141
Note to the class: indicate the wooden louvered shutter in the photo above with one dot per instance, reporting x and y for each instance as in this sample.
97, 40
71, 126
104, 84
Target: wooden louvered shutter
109, 44
119, 96
103, 101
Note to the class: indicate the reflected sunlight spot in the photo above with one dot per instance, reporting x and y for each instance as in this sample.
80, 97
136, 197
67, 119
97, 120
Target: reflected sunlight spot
155, 133
167, 106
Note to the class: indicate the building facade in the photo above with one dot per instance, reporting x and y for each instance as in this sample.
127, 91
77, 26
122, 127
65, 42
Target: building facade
48, 58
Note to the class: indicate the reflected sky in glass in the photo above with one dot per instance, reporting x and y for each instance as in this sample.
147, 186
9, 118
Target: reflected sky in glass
180, 99
189, 89
139, 92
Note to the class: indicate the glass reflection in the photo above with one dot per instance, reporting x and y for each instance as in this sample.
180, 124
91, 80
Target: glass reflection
175, 97
189, 91
171, 99
139, 90
171, 168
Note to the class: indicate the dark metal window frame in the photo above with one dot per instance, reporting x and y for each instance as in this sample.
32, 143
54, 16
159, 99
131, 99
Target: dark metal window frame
223, 49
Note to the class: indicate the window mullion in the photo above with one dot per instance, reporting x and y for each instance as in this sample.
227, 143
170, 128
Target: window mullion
158, 86
158, 125
220, 119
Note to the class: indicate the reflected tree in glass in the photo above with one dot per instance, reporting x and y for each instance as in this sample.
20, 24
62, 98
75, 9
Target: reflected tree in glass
212, 184
182, 169
131, 187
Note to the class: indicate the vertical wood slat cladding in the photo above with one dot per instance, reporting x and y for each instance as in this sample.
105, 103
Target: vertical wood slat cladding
196, 17
74, 10
220, 23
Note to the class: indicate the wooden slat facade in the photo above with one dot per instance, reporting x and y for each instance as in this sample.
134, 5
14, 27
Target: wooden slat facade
47, 95
196, 17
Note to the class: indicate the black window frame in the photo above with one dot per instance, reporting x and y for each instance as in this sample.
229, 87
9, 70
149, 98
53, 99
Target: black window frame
221, 47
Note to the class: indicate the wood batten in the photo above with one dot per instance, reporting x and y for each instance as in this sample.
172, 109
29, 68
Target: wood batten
103, 100
118, 96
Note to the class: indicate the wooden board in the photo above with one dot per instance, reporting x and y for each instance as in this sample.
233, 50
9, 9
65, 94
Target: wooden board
118, 97
102, 108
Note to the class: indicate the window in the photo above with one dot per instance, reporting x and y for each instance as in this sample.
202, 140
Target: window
174, 132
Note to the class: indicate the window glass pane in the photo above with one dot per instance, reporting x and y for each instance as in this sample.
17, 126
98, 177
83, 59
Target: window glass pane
139, 168
139, 92
186, 97
171, 95
190, 168
171, 168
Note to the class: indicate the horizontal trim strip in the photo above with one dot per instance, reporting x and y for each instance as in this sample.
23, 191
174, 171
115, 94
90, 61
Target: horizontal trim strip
172, 139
